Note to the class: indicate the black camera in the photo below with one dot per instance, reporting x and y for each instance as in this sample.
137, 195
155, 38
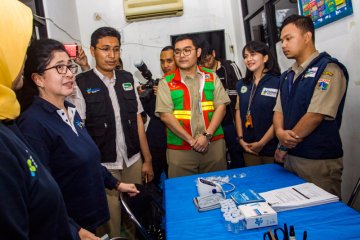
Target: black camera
148, 86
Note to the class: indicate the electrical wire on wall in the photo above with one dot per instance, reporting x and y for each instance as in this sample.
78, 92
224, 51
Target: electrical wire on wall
60, 28
103, 20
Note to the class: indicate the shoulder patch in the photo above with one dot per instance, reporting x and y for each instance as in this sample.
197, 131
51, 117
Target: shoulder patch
243, 89
323, 84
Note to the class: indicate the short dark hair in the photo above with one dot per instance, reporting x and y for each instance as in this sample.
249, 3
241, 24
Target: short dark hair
304, 23
104, 32
187, 37
39, 55
206, 49
167, 48
271, 65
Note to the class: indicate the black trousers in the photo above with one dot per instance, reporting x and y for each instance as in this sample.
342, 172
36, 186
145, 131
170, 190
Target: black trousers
159, 163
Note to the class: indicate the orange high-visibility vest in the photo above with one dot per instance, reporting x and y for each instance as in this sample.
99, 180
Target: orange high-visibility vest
180, 96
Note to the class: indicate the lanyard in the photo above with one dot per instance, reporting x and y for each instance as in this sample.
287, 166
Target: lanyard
251, 98
249, 121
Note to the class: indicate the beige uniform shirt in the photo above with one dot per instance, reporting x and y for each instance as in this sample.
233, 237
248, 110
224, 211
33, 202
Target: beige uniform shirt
164, 103
327, 101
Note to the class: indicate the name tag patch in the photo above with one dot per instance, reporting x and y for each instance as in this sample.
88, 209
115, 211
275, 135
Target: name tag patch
311, 72
127, 86
323, 84
269, 92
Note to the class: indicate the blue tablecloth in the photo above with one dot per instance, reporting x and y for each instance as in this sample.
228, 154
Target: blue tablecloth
183, 221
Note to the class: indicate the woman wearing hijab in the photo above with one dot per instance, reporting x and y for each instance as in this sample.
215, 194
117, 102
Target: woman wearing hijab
31, 204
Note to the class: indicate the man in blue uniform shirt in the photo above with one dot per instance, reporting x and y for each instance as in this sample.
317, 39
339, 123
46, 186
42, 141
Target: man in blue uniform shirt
309, 108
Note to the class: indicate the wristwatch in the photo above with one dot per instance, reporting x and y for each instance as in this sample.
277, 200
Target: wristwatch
208, 136
282, 148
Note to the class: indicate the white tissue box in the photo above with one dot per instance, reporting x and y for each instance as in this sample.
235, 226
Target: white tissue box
258, 215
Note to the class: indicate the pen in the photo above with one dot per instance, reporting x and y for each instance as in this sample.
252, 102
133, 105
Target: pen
305, 235
292, 233
272, 237
286, 234
300, 193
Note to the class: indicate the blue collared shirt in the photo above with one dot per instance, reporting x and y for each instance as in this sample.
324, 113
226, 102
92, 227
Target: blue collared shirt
72, 157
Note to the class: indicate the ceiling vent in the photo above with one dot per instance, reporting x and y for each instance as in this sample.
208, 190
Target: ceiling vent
136, 10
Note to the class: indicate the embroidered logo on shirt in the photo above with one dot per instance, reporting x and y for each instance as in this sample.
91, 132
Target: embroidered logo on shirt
92, 90
324, 84
173, 85
269, 92
311, 72
243, 89
207, 76
79, 123
127, 86
32, 165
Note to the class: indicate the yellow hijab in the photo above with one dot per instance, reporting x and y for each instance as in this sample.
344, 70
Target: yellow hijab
15, 33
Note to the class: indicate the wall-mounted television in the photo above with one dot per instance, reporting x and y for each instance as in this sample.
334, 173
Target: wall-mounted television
323, 12
215, 38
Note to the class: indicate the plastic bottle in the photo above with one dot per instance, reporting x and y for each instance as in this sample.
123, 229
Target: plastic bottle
228, 224
242, 223
235, 225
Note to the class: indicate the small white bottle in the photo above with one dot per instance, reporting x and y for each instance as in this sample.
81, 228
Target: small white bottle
242, 223
235, 225
228, 223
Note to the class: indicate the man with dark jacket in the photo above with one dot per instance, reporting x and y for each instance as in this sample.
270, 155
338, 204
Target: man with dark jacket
156, 131
229, 73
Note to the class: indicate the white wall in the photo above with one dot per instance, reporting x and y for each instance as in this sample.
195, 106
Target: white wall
64, 14
341, 40
144, 40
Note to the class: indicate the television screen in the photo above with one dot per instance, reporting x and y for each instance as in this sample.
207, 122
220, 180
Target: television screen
215, 38
323, 12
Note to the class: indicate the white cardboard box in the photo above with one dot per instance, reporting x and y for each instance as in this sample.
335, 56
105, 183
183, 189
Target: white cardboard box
258, 215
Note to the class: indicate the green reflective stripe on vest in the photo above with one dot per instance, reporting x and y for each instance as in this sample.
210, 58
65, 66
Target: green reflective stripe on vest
219, 130
206, 70
177, 97
209, 88
172, 138
168, 78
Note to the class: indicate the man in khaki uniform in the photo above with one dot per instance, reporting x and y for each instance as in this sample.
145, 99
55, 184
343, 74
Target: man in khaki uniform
191, 102
309, 108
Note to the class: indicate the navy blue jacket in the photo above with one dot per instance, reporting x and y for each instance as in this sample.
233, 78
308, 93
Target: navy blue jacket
324, 142
73, 160
31, 204
261, 110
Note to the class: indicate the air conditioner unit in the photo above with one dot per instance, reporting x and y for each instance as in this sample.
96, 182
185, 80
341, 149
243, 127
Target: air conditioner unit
146, 9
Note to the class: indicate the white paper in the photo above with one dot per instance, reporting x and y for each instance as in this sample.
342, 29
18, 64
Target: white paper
298, 196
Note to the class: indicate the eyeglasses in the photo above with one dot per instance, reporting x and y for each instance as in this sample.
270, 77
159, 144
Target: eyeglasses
107, 50
185, 52
62, 68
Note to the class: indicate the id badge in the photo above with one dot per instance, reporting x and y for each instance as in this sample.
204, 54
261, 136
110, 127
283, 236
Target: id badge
249, 121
